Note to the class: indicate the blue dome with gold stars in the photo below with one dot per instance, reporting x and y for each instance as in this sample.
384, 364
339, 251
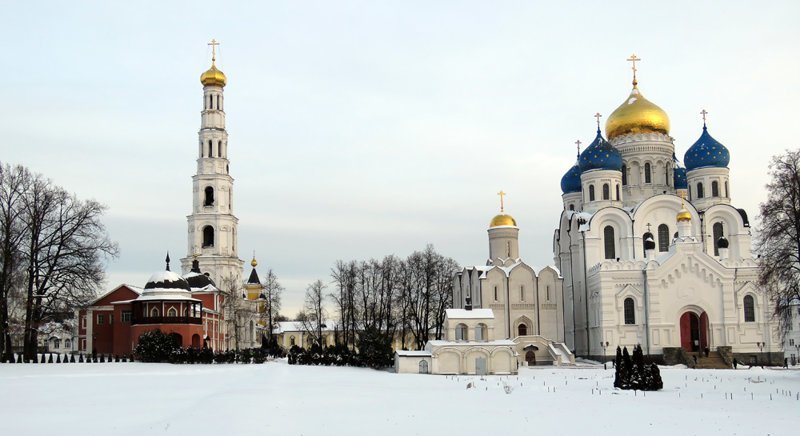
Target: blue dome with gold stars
571, 182
679, 178
600, 155
706, 152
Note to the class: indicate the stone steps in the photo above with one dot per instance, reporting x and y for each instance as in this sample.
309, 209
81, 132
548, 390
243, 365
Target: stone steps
713, 361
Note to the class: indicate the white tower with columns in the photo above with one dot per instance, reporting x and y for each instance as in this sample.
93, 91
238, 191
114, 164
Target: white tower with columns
212, 232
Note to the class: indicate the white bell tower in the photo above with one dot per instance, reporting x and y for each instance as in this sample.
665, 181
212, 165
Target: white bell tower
212, 233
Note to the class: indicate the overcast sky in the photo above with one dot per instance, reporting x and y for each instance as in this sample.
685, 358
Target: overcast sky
360, 129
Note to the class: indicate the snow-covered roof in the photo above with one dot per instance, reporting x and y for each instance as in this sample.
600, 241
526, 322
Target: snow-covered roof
136, 289
297, 326
413, 353
469, 314
442, 343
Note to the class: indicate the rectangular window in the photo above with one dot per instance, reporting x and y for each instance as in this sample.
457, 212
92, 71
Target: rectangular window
111, 318
791, 342
495, 293
548, 293
83, 321
522, 293
126, 316
101, 319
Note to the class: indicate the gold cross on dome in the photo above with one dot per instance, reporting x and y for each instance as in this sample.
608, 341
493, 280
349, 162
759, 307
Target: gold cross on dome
502, 205
597, 117
213, 45
633, 59
578, 143
704, 113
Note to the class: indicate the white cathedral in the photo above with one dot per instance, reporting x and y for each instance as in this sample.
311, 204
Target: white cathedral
647, 252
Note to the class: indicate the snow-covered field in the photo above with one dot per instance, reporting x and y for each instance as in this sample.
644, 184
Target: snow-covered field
276, 398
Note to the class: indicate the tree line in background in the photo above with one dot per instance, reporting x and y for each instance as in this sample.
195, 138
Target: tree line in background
52, 252
376, 301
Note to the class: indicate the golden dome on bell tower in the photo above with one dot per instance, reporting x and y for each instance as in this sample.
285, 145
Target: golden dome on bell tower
213, 76
636, 114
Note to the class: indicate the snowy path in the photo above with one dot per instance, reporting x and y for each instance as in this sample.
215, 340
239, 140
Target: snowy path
275, 398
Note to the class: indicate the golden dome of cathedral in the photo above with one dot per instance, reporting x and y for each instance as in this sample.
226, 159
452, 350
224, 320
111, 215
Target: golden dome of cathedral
213, 77
637, 115
503, 220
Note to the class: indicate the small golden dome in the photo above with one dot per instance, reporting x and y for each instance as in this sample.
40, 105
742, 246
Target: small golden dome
253, 262
684, 215
636, 115
213, 77
503, 220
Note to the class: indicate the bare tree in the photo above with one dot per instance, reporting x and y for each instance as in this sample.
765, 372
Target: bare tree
13, 183
778, 241
315, 312
237, 310
272, 302
64, 254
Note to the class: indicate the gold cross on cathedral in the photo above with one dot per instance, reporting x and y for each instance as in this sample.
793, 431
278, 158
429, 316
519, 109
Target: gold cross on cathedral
704, 113
578, 143
213, 45
597, 117
633, 59
502, 205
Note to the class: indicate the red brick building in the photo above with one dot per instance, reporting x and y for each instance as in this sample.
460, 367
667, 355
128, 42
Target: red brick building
188, 307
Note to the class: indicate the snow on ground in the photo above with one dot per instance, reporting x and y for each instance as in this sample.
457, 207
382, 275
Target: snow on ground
276, 398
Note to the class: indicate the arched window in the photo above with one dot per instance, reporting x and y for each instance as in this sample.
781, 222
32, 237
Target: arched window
571, 207
522, 330
172, 312
663, 238
67, 343
462, 332
56, 343
630, 311
666, 175
591, 192
423, 366
749, 309
480, 332
219, 148
644, 238
495, 293
210, 151
700, 192
209, 196
624, 175
154, 312
606, 192
208, 236
609, 243
210, 104
715, 189
617, 188
218, 107
726, 189
717, 231
647, 176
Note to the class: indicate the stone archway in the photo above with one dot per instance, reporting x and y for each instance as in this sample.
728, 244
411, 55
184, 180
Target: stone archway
694, 331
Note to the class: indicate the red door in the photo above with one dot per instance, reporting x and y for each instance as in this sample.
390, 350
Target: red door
694, 331
686, 331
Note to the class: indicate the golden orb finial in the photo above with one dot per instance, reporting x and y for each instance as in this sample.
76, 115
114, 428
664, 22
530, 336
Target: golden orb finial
254, 262
683, 214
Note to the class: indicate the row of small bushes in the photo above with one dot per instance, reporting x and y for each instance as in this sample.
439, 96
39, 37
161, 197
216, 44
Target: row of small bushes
156, 346
68, 358
374, 351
